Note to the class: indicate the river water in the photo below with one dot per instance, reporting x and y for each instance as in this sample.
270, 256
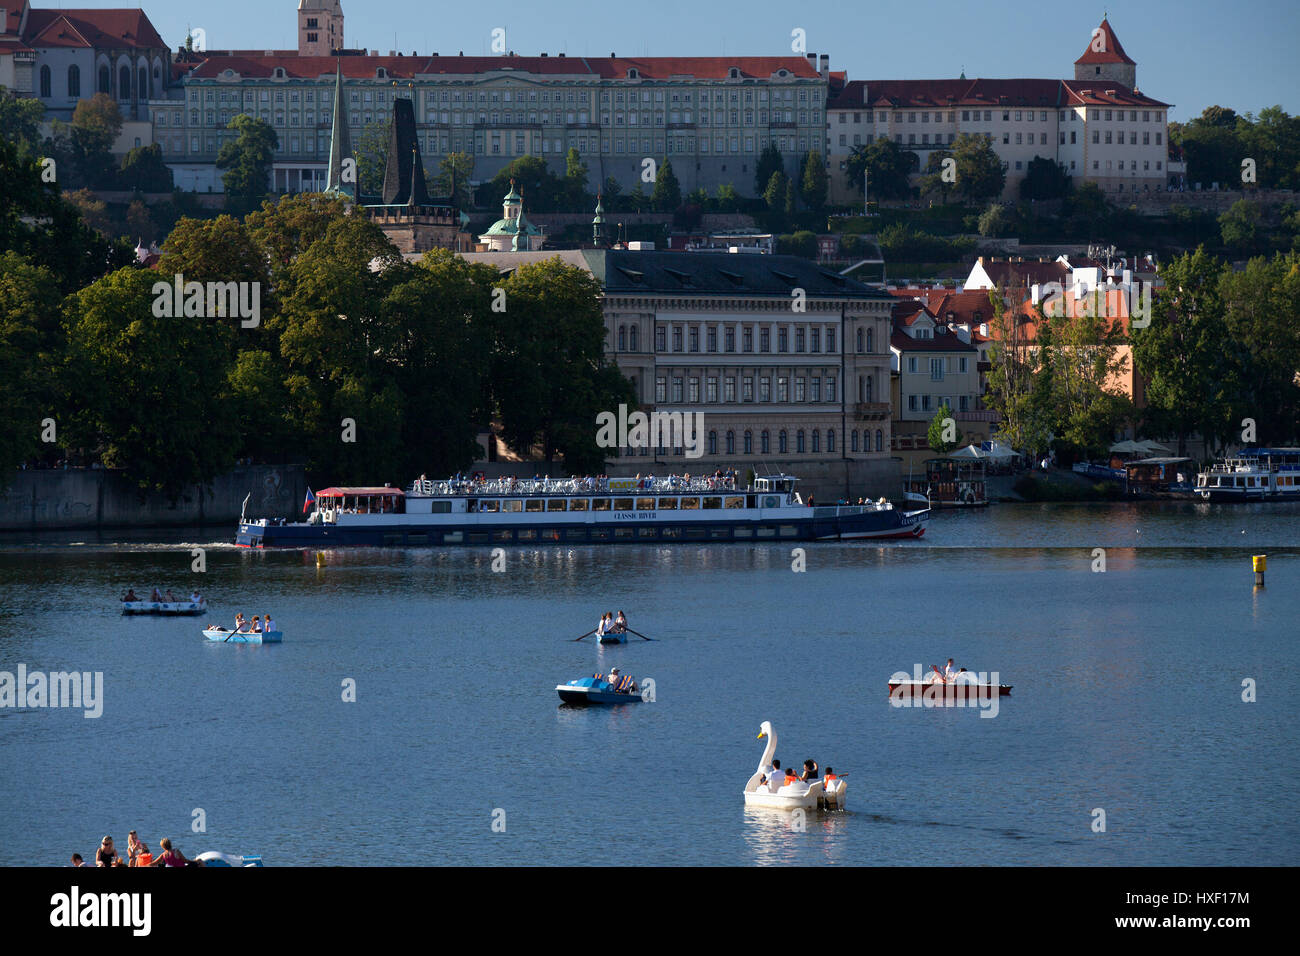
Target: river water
1127, 706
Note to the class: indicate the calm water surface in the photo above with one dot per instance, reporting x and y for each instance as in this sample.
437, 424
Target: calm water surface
1128, 697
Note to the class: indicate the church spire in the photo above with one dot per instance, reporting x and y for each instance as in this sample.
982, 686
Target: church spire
342, 175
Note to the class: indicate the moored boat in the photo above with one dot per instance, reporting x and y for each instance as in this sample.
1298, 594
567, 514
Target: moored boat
223, 636
166, 608
597, 690
213, 858
953, 690
1258, 474
506, 511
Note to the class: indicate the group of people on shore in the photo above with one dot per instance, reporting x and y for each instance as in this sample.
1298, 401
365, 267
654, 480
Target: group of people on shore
774, 778
162, 597
137, 854
609, 624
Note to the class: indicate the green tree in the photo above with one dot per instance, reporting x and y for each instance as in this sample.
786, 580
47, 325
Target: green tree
370, 150
542, 190
1241, 227
143, 170
1015, 357
1044, 179
887, 167
247, 161
943, 424
774, 194
996, 222
32, 344
813, 183
463, 164
575, 180
667, 195
20, 118
769, 162
935, 178
147, 392
96, 125
728, 200
979, 169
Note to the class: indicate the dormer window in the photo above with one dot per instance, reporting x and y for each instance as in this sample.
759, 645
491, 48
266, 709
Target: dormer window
279, 73
734, 73
632, 73
381, 73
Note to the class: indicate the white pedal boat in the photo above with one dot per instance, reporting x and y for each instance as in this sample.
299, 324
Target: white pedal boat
165, 607
794, 796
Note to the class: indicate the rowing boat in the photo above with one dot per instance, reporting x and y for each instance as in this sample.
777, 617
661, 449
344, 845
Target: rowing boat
612, 637
171, 608
223, 636
937, 690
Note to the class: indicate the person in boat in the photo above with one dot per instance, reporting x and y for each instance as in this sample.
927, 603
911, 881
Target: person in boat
600, 628
809, 771
257, 625
790, 777
156, 597
135, 848
771, 776
196, 598
830, 778
620, 624
78, 861
105, 855
949, 671
130, 595
172, 857
614, 677
170, 598
240, 623
267, 626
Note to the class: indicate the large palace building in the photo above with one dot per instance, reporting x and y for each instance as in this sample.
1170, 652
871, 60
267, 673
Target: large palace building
1098, 126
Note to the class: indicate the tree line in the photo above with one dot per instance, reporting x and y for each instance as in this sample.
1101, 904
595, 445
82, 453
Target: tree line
365, 366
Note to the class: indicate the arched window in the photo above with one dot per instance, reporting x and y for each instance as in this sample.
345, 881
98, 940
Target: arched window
45, 82
816, 441
782, 442
143, 77
830, 440
632, 337
622, 338
124, 83
749, 442
74, 80
765, 442
105, 80
853, 439
870, 347
880, 440
859, 338
867, 390
731, 442
798, 442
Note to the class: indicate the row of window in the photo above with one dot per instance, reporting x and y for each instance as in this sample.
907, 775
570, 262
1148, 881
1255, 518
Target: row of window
1025, 116
688, 339
687, 390
921, 403
433, 98
805, 442
938, 365
142, 89
582, 534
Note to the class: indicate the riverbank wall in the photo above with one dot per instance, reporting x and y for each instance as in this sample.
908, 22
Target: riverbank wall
64, 500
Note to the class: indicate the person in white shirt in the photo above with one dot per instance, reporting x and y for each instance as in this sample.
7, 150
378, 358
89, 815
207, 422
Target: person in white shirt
772, 777
268, 626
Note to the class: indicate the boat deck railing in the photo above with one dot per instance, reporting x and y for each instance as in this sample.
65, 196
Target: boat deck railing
672, 484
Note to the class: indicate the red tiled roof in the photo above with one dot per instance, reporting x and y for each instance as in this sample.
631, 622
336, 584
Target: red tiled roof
1021, 275
91, 28
1110, 50
405, 67
942, 342
985, 94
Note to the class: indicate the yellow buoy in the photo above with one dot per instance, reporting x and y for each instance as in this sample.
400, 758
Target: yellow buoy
1260, 564
320, 559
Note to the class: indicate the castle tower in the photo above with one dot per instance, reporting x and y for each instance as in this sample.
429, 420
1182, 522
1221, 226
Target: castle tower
598, 224
320, 27
341, 177
1104, 60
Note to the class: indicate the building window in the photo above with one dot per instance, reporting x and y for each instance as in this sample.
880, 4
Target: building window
880, 440
830, 440
713, 338
782, 442
713, 442
633, 338
749, 442
783, 339
661, 339
853, 439
765, 443
45, 82
622, 338
74, 80
695, 338
731, 442
798, 442
730, 339
764, 340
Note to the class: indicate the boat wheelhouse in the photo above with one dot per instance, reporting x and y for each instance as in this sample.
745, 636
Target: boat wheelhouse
950, 483
1160, 476
1258, 474
506, 511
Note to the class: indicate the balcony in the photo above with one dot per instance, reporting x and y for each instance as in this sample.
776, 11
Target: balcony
871, 411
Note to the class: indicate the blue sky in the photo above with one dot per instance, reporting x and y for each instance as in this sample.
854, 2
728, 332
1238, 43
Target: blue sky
1192, 53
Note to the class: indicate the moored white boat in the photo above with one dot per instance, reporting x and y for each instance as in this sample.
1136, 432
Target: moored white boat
175, 608
213, 858
792, 796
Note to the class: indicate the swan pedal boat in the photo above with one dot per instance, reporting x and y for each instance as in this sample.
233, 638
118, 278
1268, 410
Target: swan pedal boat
951, 690
794, 796
223, 636
165, 607
594, 690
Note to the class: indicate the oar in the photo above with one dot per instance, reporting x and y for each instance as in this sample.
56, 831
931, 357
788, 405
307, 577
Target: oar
640, 635
588, 634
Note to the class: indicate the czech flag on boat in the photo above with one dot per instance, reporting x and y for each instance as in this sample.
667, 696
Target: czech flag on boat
308, 501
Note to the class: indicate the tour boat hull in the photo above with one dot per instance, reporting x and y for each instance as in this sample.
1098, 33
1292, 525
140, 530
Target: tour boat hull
934, 690
588, 690
241, 637
166, 608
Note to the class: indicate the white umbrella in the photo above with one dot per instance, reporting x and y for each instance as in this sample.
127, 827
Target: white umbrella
1154, 446
1127, 446
998, 450
970, 451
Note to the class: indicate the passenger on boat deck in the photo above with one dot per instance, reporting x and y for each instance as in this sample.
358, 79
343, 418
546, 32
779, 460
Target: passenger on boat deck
600, 628
257, 625
240, 623
195, 597
771, 776
170, 598
621, 623
78, 861
130, 595
170, 857
790, 777
156, 596
830, 779
267, 626
134, 847
809, 771
949, 671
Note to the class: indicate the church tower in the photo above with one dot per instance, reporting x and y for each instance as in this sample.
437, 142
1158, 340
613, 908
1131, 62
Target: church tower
1104, 61
320, 27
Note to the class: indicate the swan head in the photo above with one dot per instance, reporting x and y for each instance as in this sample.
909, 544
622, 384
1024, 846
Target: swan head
764, 729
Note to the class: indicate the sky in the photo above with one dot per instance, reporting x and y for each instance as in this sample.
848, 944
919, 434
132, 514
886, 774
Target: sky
1191, 53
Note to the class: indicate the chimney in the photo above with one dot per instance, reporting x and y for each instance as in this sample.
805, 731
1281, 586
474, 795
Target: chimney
825, 69
4, 21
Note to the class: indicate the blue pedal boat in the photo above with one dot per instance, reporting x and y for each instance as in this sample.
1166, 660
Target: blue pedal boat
597, 690
223, 636
612, 637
